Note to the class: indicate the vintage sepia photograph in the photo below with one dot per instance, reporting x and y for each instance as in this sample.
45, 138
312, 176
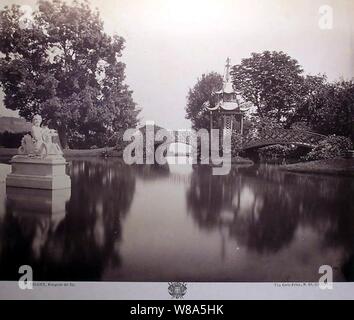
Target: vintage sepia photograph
176, 142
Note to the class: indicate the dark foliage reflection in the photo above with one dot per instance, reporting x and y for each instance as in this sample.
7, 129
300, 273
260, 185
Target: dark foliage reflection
261, 216
264, 216
78, 244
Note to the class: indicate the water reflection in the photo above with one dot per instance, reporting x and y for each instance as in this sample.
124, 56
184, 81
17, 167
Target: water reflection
83, 241
262, 208
32, 218
169, 223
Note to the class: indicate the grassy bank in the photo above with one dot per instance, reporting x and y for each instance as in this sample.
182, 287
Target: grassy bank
344, 167
9, 152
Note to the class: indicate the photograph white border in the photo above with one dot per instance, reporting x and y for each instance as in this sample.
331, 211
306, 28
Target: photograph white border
159, 291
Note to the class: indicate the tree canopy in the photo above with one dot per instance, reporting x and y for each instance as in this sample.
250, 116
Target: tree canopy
271, 81
62, 64
275, 84
329, 107
198, 95
282, 96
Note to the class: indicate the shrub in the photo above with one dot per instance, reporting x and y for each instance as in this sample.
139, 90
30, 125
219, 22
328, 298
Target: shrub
11, 140
274, 152
332, 147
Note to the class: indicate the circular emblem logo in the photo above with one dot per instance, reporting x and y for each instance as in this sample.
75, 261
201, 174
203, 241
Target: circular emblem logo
177, 289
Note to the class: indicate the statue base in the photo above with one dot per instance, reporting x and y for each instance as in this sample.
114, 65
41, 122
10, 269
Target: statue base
38, 173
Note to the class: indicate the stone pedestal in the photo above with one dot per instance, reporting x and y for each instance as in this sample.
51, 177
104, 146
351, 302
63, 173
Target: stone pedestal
37, 173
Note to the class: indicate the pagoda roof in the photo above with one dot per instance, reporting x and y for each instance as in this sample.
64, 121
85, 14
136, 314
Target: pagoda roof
231, 103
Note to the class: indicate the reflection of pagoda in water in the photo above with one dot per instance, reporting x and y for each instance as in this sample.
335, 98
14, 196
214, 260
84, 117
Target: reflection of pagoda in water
227, 105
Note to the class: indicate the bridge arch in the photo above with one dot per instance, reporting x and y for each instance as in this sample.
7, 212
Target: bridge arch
262, 138
262, 144
284, 137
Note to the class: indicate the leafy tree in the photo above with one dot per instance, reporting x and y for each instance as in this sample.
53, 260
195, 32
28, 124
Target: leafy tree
326, 107
272, 82
331, 110
198, 95
63, 65
311, 89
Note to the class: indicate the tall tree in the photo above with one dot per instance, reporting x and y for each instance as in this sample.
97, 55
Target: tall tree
312, 88
63, 65
326, 107
198, 95
272, 82
331, 109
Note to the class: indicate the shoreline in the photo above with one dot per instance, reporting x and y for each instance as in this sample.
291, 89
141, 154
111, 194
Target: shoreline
10, 152
337, 166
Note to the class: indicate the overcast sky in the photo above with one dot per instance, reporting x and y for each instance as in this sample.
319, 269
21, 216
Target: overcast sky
170, 43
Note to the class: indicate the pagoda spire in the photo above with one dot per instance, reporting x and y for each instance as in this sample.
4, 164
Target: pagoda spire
227, 70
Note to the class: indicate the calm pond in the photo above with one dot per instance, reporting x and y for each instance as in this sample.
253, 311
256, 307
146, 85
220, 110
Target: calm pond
175, 222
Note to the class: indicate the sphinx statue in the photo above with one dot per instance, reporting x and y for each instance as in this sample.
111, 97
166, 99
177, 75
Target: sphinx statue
40, 163
40, 143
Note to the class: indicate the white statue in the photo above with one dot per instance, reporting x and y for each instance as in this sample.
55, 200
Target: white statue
40, 142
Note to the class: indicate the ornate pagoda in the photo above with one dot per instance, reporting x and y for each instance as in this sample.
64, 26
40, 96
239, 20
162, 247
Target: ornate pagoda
229, 106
